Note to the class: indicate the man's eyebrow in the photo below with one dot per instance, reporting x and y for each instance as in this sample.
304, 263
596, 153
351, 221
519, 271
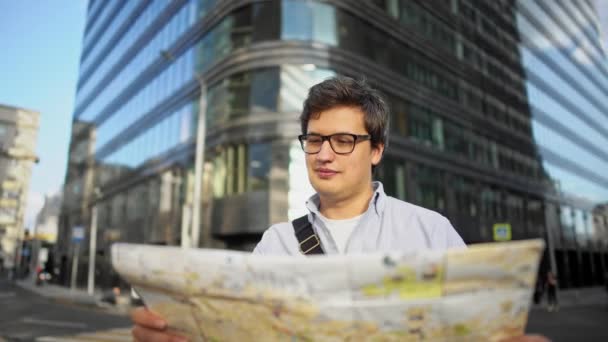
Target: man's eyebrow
315, 133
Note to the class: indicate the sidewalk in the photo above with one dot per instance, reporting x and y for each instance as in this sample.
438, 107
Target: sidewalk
583, 296
566, 298
579, 297
75, 296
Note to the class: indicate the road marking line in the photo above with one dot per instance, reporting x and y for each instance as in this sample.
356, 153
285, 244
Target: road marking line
7, 295
62, 324
98, 338
123, 334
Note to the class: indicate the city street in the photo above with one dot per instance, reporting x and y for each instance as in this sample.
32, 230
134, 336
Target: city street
573, 323
25, 316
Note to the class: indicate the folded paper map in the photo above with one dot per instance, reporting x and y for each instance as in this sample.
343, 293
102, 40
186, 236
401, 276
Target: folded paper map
481, 293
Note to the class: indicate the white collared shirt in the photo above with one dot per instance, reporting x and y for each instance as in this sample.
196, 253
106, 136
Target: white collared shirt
388, 225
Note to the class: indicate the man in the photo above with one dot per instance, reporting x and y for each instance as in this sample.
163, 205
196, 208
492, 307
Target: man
344, 133
345, 130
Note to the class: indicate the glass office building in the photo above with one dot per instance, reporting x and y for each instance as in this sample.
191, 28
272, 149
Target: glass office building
464, 130
567, 84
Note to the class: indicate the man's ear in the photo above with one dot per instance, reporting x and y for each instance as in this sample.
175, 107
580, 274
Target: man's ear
377, 152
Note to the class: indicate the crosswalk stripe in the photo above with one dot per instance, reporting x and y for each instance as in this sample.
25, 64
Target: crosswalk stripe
7, 295
53, 323
97, 336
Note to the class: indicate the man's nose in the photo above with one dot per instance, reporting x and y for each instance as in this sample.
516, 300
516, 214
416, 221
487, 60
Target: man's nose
326, 153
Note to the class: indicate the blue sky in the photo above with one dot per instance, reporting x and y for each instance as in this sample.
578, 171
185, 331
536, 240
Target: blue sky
41, 42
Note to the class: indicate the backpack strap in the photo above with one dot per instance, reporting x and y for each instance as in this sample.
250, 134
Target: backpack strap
308, 239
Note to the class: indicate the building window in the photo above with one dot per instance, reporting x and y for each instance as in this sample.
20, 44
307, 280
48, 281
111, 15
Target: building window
258, 166
167, 133
314, 21
399, 117
295, 81
3, 129
567, 223
580, 228
491, 204
429, 191
241, 168
392, 174
237, 30
464, 196
243, 94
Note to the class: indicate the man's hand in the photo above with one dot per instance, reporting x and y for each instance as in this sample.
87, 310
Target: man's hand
527, 338
149, 327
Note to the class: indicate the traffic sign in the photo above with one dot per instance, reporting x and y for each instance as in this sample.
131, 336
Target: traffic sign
77, 234
502, 232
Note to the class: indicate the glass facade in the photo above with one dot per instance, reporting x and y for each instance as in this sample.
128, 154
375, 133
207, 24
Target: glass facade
567, 81
496, 116
117, 81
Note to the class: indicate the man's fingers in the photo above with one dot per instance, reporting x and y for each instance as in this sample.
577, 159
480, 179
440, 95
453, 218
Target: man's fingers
146, 318
149, 335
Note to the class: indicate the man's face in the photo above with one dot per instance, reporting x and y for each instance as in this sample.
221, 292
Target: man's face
340, 176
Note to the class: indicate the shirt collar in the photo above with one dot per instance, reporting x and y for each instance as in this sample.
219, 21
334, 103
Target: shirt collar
377, 202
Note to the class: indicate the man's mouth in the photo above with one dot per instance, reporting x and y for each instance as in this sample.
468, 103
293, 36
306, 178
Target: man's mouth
325, 173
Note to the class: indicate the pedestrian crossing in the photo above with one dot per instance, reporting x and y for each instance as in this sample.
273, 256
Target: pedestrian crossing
123, 334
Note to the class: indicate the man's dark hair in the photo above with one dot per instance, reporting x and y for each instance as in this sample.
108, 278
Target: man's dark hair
345, 91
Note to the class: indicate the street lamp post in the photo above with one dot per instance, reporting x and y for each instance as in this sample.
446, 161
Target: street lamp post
93, 244
193, 215
199, 158
75, 255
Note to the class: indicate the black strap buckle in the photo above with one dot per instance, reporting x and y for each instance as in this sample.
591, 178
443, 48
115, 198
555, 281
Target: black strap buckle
317, 243
308, 239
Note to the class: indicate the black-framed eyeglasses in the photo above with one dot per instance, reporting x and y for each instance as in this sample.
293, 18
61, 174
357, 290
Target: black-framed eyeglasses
341, 143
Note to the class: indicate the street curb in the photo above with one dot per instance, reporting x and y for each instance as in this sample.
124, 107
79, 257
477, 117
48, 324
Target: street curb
88, 301
577, 297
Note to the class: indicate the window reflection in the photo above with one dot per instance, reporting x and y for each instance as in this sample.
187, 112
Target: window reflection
410, 15
204, 6
93, 51
176, 128
90, 105
356, 35
265, 85
219, 174
425, 126
242, 94
464, 196
158, 90
295, 81
491, 203
392, 174
580, 228
558, 48
99, 21
315, 21
258, 166
567, 223
430, 190
237, 30
241, 168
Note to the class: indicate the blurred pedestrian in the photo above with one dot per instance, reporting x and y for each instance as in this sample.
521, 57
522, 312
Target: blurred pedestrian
539, 290
552, 292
